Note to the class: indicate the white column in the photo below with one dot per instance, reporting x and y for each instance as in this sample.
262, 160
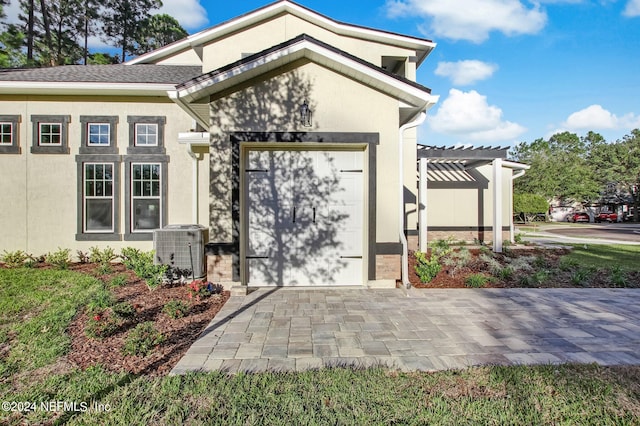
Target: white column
497, 205
422, 205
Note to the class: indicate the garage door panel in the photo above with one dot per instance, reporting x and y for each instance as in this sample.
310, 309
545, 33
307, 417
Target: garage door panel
305, 218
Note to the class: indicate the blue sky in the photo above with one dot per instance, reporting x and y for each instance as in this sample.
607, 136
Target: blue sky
506, 70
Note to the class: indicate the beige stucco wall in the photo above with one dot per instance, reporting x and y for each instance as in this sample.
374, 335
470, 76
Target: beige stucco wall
41, 189
183, 57
339, 104
460, 205
286, 27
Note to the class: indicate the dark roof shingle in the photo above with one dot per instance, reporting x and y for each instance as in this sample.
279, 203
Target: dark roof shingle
117, 73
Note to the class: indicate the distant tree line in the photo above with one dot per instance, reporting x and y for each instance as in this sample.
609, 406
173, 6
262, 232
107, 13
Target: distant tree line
56, 32
582, 169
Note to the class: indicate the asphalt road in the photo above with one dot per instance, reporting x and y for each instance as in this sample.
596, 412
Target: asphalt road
620, 232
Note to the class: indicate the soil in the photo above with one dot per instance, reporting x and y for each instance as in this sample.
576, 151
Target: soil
179, 333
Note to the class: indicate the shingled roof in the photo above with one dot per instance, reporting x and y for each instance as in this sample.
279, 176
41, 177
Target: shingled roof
117, 73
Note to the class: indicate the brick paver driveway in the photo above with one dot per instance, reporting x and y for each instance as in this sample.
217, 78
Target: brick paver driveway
297, 329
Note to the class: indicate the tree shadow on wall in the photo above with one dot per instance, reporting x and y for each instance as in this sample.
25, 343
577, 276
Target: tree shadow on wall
294, 217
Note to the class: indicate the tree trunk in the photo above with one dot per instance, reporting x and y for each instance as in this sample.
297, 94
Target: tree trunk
30, 26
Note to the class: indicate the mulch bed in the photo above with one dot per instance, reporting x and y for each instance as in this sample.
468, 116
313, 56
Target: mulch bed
179, 333
557, 278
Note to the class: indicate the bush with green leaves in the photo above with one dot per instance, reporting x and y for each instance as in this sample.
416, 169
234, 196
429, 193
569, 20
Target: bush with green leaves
176, 309
141, 263
59, 259
104, 256
14, 259
427, 268
142, 339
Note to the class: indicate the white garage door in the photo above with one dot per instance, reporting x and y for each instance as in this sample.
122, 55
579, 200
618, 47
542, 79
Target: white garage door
305, 218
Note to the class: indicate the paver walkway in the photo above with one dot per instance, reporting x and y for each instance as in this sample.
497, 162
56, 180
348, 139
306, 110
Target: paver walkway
289, 329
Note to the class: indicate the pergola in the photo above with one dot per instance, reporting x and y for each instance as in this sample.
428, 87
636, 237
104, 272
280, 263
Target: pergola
465, 158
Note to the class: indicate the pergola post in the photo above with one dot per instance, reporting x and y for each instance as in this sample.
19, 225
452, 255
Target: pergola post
497, 205
422, 205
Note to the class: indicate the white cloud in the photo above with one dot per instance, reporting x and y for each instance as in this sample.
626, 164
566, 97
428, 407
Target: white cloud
471, 20
594, 117
466, 72
468, 115
632, 9
190, 13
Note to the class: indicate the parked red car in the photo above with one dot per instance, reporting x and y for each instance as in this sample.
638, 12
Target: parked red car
607, 217
578, 217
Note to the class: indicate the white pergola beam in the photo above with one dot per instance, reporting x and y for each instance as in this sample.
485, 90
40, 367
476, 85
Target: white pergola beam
422, 205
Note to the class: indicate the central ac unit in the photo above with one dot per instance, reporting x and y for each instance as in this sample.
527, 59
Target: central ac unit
181, 246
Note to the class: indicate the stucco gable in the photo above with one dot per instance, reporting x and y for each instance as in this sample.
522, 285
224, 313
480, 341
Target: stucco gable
196, 42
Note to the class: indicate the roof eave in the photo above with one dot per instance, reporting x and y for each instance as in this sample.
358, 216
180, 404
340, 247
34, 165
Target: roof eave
84, 88
305, 47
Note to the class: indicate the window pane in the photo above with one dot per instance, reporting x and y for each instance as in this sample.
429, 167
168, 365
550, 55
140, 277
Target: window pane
90, 189
137, 171
108, 171
146, 172
155, 189
137, 189
146, 189
146, 134
99, 171
108, 188
99, 189
45, 128
6, 133
89, 168
98, 134
155, 171
99, 215
146, 214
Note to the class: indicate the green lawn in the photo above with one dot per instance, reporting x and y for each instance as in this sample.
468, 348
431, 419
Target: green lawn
36, 307
606, 256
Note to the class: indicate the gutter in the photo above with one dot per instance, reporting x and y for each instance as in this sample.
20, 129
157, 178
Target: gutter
194, 139
403, 238
519, 171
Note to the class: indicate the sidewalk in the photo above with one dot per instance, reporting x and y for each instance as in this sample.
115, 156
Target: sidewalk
287, 329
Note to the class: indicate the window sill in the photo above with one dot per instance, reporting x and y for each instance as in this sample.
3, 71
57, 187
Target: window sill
98, 237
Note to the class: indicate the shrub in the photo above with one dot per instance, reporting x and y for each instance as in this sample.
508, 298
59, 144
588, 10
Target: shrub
568, 264
102, 300
427, 269
458, 259
124, 310
142, 265
142, 339
59, 259
14, 259
477, 280
176, 309
518, 238
102, 257
82, 256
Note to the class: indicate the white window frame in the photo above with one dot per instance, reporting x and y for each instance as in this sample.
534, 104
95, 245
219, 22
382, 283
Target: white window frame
100, 134
146, 135
3, 133
59, 133
98, 197
134, 197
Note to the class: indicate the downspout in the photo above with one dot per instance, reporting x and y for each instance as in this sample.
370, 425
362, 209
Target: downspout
403, 238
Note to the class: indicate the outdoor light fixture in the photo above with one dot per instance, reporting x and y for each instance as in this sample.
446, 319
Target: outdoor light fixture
305, 114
